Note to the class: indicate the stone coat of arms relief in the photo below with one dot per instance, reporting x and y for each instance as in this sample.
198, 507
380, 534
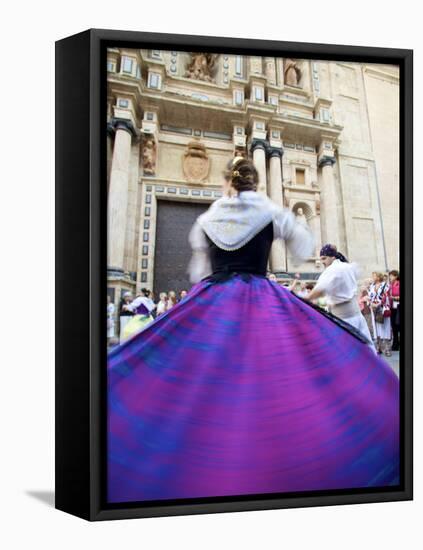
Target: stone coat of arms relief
196, 162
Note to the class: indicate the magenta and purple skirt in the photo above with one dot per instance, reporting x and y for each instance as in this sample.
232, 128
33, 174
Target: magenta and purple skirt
242, 388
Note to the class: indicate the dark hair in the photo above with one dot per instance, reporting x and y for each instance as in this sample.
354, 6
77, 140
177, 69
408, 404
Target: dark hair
331, 251
395, 273
242, 173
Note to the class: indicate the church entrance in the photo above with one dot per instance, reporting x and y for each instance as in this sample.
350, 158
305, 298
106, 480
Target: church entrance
172, 250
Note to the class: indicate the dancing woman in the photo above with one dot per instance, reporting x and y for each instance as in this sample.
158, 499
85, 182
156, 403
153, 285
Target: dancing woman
243, 387
339, 283
141, 308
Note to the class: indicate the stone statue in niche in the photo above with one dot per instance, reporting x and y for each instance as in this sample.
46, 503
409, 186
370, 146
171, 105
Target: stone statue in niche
292, 72
300, 217
240, 152
201, 66
149, 156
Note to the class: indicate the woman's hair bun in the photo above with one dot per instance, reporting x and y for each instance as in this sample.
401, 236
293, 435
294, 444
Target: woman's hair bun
243, 174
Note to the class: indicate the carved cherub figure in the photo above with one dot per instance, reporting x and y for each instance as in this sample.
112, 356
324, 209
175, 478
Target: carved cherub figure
201, 66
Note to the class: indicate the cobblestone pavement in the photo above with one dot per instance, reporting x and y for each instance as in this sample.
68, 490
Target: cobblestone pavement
393, 361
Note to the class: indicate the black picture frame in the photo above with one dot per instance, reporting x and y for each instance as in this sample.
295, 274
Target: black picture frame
81, 271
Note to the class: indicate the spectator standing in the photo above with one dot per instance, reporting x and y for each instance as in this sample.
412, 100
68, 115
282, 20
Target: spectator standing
161, 304
394, 292
110, 320
364, 304
125, 314
171, 300
380, 308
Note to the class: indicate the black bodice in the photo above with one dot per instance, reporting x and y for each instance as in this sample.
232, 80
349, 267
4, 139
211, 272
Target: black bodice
250, 258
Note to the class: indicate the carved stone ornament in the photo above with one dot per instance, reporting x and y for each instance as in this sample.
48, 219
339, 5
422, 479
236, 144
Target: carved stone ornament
201, 66
149, 156
292, 72
317, 203
196, 163
240, 152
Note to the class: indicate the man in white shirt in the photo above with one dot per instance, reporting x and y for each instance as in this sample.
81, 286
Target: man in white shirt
338, 283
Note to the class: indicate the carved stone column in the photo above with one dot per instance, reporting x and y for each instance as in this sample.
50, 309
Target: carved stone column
259, 148
328, 202
117, 202
278, 251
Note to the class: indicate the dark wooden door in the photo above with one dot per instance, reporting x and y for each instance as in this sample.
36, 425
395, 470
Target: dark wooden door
172, 251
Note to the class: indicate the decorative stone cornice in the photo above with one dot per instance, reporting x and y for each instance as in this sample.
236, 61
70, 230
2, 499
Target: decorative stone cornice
110, 129
115, 272
122, 124
275, 151
259, 144
326, 161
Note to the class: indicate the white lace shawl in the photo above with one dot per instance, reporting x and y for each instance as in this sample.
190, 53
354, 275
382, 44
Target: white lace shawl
232, 222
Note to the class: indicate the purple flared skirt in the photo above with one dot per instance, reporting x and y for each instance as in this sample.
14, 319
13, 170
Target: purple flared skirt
242, 388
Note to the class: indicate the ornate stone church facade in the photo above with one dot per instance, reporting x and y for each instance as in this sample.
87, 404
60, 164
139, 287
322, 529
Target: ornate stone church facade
324, 136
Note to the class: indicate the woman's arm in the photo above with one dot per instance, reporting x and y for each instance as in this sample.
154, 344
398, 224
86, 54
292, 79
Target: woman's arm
298, 237
199, 265
314, 294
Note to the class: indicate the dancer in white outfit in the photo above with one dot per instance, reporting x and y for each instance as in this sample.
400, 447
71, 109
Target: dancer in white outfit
338, 283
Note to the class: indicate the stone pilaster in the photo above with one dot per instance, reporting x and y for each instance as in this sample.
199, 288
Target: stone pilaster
117, 202
278, 251
328, 202
259, 148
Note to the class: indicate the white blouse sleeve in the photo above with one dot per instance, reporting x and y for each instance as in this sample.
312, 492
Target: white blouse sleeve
199, 265
339, 281
133, 305
298, 237
147, 302
328, 280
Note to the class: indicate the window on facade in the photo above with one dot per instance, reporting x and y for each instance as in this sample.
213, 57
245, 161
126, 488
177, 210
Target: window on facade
239, 97
154, 80
110, 66
325, 115
238, 65
127, 65
258, 94
299, 176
